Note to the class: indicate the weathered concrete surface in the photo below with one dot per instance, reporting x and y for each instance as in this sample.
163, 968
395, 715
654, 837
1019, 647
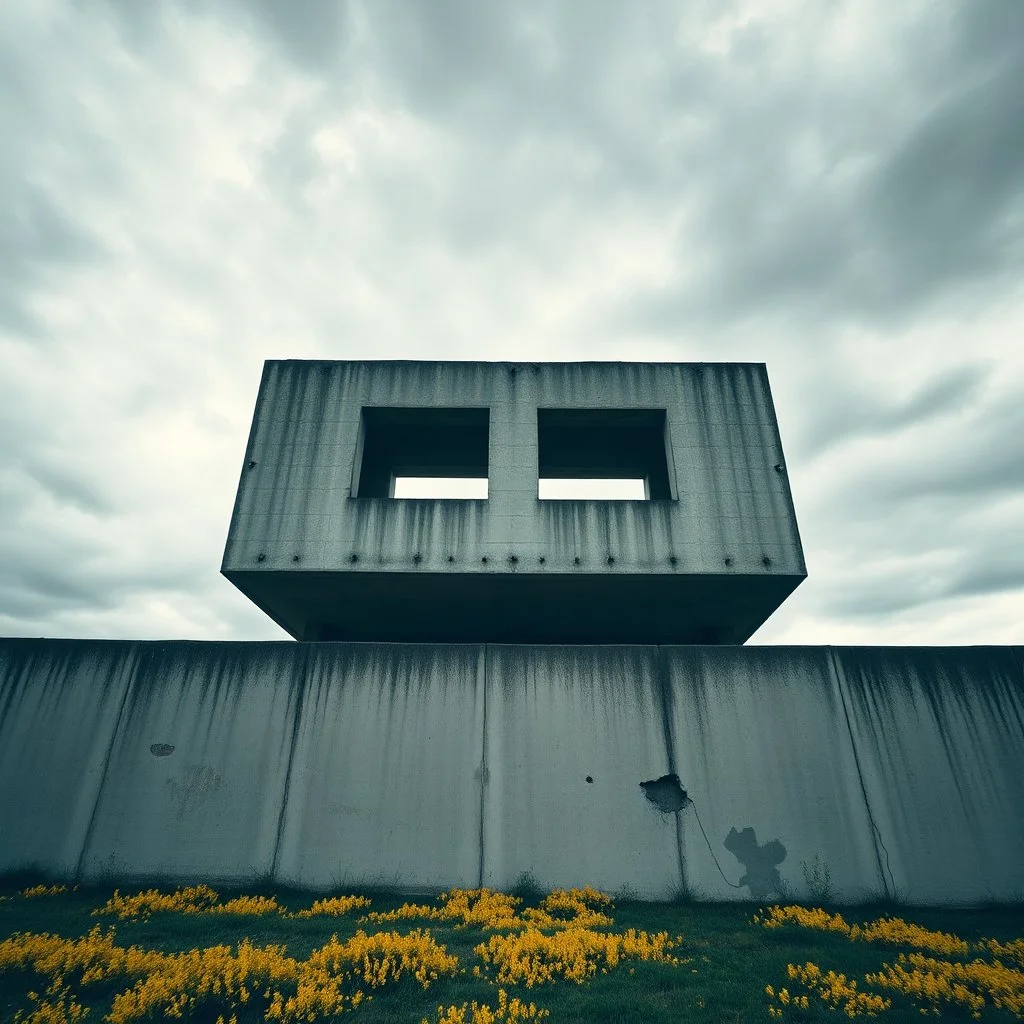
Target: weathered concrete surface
212, 805
707, 565
556, 717
60, 705
760, 741
939, 736
430, 765
385, 778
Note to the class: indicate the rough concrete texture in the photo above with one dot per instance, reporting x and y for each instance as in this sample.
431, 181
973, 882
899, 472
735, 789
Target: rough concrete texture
708, 564
385, 781
898, 769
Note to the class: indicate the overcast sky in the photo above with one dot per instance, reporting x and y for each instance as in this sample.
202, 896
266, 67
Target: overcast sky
835, 189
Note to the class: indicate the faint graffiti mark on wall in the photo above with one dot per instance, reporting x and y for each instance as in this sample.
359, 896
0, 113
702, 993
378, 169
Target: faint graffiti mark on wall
666, 793
761, 862
191, 791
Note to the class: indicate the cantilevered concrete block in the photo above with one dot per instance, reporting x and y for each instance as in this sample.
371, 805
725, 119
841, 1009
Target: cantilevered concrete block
320, 543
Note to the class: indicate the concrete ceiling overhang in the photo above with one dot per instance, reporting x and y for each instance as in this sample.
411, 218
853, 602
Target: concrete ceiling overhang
517, 606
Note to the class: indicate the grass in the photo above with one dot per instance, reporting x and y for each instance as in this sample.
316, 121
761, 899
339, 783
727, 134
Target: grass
728, 960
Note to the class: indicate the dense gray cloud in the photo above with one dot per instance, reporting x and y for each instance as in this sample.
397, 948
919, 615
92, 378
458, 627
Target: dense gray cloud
189, 188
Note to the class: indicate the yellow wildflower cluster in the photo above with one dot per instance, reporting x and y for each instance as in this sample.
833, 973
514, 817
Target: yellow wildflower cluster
893, 931
577, 908
184, 983
836, 991
800, 1002
532, 957
201, 899
966, 985
55, 1006
44, 890
336, 906
192, 899
382, 957
251, 905
94, 957
1014, 950
484, 908
821, 920
510, 1010
177, 985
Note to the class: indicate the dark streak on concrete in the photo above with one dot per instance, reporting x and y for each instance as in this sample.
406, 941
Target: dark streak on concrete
301, 677
87, 839
838, 678
482, 676
665, 687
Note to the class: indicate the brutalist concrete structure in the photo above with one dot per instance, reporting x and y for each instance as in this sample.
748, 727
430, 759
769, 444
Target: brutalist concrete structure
494, 687
317, 541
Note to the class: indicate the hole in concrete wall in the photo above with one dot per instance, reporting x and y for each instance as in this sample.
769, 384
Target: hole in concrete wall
422, 453
666, 793
603, 454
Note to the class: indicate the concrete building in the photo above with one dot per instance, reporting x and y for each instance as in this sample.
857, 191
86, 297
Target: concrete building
321, 544
491, 687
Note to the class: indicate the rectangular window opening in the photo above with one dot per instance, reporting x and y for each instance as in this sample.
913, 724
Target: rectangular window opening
440, 487
595, 489
602, 454
422, 453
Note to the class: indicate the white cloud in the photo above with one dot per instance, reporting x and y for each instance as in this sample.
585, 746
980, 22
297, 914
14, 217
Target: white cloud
185, 193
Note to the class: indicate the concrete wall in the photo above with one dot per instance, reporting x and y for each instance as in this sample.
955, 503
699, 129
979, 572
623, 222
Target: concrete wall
431, 765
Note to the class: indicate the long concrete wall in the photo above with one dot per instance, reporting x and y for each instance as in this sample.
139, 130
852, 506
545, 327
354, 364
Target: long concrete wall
426, 766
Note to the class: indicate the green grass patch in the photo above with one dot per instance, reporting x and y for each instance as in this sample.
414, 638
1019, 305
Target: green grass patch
727, 960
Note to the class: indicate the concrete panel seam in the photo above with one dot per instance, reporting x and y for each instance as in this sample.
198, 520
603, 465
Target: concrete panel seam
876, 837
286, 788
136, 669
481, 675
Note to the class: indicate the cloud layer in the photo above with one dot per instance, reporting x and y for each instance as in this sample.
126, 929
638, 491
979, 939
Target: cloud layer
187, 189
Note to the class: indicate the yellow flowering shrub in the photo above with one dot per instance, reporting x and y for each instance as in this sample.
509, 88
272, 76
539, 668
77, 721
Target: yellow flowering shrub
490, 910
835, 990
181, 985
251, 905
931, 983
336, 906
510, 1010
43, 890
1012, 950
184, 983
201, 899
576, 908
892, 931
532, 957
803, 917
94, 957
193, 899
483, 908
942, 982
785, 1000
55, 1006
